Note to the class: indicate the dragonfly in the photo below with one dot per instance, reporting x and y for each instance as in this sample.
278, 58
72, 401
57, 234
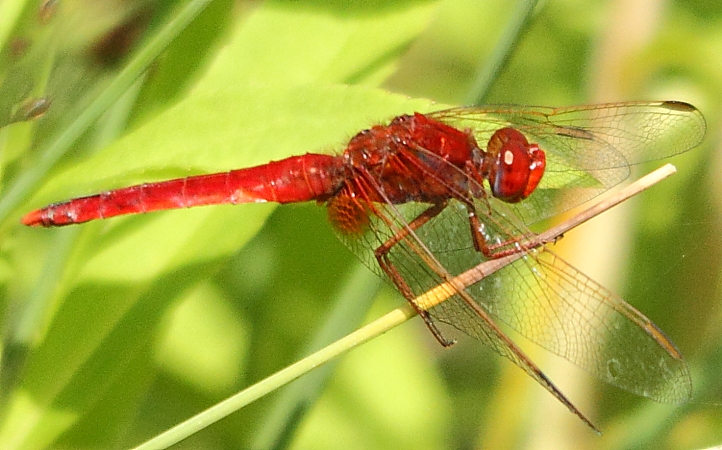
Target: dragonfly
427, 196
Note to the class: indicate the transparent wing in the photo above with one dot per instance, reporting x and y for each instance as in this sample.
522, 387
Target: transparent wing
573, 316
415, 260
554, 305
540, 296
589, 148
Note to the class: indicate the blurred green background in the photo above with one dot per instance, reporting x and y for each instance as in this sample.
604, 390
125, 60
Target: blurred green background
117, 330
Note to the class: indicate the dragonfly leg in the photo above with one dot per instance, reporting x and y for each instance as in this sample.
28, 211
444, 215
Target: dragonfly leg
501, 249
382, 256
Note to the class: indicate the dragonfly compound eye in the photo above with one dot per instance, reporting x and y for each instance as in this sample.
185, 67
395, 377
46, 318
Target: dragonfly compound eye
514, 167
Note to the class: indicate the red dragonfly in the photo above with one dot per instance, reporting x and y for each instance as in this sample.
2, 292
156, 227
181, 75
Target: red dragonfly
420, 201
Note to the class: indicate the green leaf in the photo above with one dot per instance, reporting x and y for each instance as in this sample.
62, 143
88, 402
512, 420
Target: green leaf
267, 95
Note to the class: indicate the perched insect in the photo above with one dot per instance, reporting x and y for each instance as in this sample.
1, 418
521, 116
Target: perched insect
421, 200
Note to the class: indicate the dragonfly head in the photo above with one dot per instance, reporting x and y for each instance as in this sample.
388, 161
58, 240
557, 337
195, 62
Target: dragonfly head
513, 166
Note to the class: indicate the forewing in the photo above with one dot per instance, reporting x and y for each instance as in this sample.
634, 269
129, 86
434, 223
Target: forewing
554, 305
589, 148
559, 308
540, 296
410, 258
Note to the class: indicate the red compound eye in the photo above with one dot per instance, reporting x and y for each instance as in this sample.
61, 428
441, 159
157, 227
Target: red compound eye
512, 165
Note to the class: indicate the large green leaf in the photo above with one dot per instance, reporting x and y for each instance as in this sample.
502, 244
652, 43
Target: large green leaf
274, 90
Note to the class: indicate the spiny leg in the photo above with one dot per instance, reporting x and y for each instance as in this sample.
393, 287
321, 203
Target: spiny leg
497, 250
382, 256
489, 250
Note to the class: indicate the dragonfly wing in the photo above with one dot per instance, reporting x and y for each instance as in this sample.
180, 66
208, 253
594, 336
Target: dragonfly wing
411, 258
554, 305
589, 148
540, 296
557, 307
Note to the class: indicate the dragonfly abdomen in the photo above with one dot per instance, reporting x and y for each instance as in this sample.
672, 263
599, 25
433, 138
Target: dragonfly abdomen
295, 179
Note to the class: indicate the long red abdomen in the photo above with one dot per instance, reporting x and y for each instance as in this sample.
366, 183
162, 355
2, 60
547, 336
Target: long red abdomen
295, 179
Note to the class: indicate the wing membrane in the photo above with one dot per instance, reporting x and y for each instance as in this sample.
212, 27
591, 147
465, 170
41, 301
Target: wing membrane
589, 148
